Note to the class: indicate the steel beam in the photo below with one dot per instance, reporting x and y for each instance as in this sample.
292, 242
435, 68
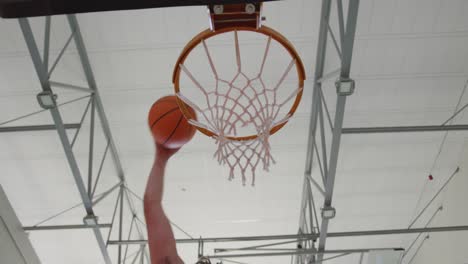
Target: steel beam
319, 67
323, 138
403, 231
311, 209
106, 193
56, 116
45, 57
399, 231
133, 222
119, 254
328, 75
87, 69
63, 227
85, 112
335, 43
303, 252
113, 216
142, 255
136, 256
347, 40
341, 23
91, 148
403, 129
316, 184
59, 57
36, 128
257, 247
86, 65
330, 181
80, 46
70, 86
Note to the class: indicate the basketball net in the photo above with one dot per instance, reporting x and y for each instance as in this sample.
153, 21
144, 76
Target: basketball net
227, 111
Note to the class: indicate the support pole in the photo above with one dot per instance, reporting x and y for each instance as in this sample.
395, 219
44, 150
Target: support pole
80, 46
319, 67
45, 54
91, 148
70, 87
403, 129
120, 223
347, 32
311, 236
36, 128
62, 227
330, 181
87, 69
302, 252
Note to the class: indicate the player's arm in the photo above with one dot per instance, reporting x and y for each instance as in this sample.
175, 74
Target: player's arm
161, 239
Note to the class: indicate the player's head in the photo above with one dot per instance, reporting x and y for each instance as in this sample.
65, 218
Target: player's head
203, 260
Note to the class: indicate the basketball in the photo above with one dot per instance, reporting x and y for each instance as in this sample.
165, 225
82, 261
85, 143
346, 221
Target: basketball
167, 123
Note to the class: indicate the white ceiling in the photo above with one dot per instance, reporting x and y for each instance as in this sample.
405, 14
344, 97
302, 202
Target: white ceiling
410, 63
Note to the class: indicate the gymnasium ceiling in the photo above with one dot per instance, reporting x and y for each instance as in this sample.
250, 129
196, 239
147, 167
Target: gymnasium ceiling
410, 66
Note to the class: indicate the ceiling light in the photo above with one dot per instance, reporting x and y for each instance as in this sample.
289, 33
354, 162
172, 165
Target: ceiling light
344, 86
46, 99
328, 212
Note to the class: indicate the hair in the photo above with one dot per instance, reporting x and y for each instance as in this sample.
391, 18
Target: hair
203, 260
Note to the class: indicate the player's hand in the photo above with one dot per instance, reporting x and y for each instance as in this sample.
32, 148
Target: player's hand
164, 153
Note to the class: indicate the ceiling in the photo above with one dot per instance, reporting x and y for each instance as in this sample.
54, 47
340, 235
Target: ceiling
410, 64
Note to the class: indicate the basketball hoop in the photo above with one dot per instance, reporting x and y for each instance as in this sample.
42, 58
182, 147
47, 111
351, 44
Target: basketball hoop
243, 104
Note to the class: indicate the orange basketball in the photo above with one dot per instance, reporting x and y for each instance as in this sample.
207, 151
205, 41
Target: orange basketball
168, 125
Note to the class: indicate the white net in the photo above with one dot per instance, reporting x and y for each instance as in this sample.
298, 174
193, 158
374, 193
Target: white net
242, 105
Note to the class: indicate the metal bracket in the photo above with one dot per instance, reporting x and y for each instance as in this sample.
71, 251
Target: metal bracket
204, 260
200, 248
235, 15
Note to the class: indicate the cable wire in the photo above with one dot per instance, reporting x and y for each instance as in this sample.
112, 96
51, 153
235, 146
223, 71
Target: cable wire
64, 211
43, 110
450, 121
172, 223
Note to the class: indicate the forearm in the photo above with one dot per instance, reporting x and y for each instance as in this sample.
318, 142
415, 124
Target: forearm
161, 241
155, 183
160, 236
160, 233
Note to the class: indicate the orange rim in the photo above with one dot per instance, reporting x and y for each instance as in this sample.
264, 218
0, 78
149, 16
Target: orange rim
206, 34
